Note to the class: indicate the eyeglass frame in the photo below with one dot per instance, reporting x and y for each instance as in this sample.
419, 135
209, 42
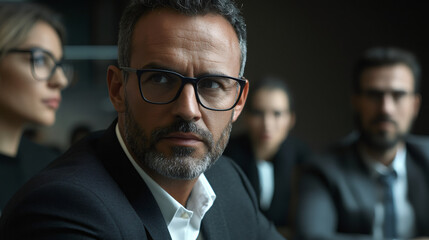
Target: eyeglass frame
376, 95
33, 71
185, 80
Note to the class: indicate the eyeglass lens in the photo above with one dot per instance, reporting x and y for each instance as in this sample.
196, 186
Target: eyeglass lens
213, 92
378, 95
44, 66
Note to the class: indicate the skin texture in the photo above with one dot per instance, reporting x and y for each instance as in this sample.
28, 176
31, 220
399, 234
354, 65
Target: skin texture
192, 46
385, 120
269, 121
23, 99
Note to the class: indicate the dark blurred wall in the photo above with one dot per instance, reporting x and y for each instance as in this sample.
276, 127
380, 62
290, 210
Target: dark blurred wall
312, 44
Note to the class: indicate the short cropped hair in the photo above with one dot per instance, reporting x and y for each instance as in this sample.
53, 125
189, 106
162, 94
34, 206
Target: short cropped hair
270, 83
138, 8
386, 56
17, 20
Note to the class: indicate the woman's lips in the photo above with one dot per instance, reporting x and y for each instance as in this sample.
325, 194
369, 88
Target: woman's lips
265, 136
52, 103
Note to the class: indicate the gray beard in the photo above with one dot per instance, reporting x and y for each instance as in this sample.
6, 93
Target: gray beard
181, 164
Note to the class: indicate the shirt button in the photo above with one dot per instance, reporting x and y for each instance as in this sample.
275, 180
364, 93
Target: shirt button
185, 215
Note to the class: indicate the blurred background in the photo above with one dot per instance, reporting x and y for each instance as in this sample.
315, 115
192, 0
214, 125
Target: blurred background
312, 44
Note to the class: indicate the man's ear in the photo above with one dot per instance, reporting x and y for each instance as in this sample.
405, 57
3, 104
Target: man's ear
241, 102
116, 85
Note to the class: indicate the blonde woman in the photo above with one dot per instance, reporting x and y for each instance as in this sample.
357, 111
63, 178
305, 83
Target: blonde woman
31, 80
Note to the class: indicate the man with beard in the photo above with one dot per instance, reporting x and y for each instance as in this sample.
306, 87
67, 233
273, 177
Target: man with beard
374, 184
157, 172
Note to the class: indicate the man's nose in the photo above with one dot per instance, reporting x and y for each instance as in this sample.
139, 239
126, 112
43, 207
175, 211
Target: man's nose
388, 103
187, 106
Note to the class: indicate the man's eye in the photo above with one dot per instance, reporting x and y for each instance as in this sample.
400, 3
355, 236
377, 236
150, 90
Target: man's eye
277, 114
398, 95
210, 84
160, 78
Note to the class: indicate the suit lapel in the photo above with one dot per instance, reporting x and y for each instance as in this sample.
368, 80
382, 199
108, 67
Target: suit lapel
214, 222
132, 185
361, 186
418, 186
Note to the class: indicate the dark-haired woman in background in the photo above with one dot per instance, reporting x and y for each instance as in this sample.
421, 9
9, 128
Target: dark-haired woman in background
266, 152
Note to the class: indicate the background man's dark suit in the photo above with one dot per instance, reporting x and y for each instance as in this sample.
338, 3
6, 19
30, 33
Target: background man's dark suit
94, 192
291, 152
337, 196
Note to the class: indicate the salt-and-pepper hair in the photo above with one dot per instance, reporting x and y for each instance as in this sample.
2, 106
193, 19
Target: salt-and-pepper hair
137, 8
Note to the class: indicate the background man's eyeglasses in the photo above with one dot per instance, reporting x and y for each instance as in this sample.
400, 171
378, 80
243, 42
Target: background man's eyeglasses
375, 95
43, 64
214, 92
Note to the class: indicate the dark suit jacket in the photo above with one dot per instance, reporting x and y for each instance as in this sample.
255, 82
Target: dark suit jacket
15, 171
93, 192
292, 152
337, 196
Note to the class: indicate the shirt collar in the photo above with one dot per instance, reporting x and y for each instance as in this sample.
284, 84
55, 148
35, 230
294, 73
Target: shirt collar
200, 200
377, 168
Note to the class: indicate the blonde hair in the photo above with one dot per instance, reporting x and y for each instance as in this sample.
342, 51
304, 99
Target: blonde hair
17, 20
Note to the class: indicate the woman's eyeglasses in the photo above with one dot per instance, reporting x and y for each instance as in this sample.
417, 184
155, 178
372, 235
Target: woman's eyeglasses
43, 64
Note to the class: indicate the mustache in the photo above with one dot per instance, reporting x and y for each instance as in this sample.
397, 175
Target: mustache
383, 118
185, 127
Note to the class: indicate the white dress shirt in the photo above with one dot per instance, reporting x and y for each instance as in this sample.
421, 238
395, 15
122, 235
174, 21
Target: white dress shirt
405, 222
266, 183
183, 222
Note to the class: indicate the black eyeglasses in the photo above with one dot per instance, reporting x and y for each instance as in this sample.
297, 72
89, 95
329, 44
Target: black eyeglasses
43, 63
375, 95
214, 92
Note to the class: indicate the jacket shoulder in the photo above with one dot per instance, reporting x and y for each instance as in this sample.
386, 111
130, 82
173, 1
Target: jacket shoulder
418, 140
236, 204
